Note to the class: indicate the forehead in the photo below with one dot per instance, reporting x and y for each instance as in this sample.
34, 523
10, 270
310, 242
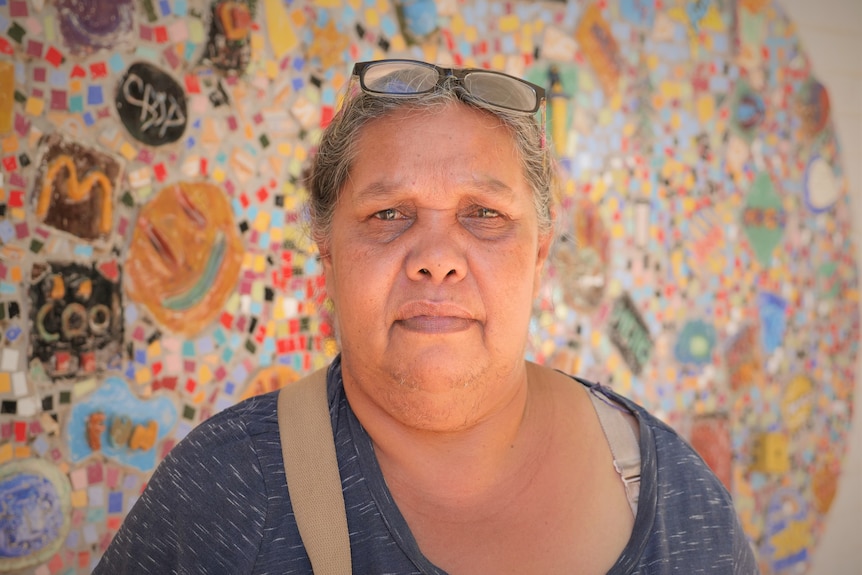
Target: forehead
450, 132
436, 157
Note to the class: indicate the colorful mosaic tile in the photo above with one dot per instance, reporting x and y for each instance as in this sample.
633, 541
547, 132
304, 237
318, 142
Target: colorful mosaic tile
704, 264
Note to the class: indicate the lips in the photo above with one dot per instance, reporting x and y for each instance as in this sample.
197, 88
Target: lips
434, 317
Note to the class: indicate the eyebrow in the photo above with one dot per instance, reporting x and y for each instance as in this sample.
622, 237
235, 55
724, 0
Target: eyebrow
381, 190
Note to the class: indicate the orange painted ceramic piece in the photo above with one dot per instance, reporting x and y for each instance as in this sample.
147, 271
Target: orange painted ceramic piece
235, 19
75, 186
185, 256
269, 379
600, 48
95, 427
7, 96
77, 190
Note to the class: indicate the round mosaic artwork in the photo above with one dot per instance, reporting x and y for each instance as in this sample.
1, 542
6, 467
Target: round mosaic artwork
703, 262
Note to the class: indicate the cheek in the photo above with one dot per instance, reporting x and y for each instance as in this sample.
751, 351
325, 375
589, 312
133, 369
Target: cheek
355, 284
509, 280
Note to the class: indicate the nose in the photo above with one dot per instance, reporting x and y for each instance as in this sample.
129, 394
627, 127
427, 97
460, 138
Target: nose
437, 253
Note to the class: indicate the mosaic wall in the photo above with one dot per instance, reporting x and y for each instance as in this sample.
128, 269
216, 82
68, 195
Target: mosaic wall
154, 267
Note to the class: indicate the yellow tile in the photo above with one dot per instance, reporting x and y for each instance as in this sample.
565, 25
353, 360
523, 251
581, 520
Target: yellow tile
5, 382
282, 329
271, 69
35, 106
22, 452
770, 453
509, 23
5, 452
262, 221
232, 304
670, 90
282, 36
49, 28
84, 387
257, 290
128, 151
397, 43
209, 132
456, 25
705, 108
247, 260
10, 144
205, 374
298, 17
257, 43
372, 18
431, 51
143, 375
79, 498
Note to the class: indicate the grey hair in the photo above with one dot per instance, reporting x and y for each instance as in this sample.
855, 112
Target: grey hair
337, 150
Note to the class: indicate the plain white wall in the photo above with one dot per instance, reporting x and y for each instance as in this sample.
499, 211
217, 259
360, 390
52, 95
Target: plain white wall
831, 33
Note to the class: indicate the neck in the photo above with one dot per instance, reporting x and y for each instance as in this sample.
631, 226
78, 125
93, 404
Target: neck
457, 465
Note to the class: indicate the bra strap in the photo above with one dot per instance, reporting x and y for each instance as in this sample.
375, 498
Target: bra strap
623, 443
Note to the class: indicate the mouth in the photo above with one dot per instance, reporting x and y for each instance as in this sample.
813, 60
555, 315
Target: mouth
434, 318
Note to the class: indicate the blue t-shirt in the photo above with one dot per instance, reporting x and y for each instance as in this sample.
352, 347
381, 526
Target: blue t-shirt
219, 504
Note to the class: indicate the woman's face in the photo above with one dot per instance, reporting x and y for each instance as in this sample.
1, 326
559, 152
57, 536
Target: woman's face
434, 259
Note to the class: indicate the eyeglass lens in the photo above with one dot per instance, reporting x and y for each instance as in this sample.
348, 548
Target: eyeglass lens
500, 91
400, 78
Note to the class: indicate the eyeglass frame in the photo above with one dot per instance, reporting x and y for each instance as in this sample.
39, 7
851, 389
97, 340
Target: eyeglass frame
444, 74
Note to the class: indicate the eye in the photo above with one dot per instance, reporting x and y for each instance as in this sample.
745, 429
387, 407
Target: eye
485, 213
387, 214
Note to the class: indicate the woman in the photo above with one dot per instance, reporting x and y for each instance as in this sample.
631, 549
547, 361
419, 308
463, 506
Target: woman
431, 209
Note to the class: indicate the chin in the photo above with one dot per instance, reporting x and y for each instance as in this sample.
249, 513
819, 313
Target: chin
439, 368
431, 410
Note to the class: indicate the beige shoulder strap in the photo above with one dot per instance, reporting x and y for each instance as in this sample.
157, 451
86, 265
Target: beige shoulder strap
624, 445
312, 474
620, 435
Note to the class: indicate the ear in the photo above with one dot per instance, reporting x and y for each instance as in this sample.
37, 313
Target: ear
546, 240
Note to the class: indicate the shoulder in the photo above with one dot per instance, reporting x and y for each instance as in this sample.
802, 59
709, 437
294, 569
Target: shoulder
253, 417
229, 455
668, 459
208, 500
681, 502
684, 502
224, 447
